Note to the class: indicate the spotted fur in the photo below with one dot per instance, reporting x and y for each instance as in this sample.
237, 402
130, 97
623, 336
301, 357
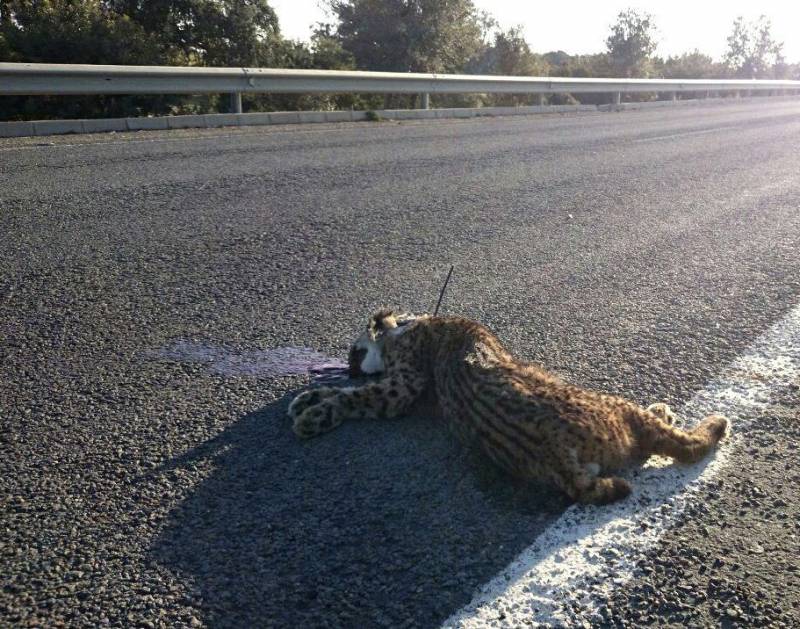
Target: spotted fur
528, 421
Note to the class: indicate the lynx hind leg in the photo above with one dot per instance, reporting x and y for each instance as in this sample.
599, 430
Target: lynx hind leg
600, 490
663, 412
605, 490
714, 427
582, 484
689, 446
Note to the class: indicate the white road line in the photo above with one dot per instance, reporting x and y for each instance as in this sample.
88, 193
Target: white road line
564, 577
684, 134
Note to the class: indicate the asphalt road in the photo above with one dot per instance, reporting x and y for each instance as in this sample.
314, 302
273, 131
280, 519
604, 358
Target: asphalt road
637, 252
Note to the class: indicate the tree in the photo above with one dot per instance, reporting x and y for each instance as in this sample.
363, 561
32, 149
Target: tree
325, 53
140, 32
752, 51
631, 43
691, 65
596, 65
556, 57
510, 55
211, 32
443, 36
66, 31
587, 66
410, 35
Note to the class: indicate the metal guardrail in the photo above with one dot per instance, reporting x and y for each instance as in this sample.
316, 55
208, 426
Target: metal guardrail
58, 79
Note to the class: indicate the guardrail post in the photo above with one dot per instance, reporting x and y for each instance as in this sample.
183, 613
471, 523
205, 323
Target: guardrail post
617, 98
540, 100
708, 93
236, 102
674, 96
425, 100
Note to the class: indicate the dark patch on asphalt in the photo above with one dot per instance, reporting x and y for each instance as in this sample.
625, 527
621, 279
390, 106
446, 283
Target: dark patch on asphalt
732, 561
257, 363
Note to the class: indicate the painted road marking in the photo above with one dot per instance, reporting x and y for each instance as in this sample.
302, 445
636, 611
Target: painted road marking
685, 134
589, 551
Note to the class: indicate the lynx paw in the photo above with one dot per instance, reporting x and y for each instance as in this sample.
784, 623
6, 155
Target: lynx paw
309, 398
315, 420
717, 427
663, 412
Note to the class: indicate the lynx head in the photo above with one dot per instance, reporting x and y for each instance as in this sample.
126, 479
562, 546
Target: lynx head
367, 352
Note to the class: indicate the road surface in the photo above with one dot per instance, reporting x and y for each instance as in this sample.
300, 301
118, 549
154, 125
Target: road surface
151, 282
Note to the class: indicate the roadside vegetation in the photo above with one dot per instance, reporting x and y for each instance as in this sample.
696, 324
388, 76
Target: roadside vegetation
449, 36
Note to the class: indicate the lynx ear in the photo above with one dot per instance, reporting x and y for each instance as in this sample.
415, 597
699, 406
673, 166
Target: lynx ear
381, 321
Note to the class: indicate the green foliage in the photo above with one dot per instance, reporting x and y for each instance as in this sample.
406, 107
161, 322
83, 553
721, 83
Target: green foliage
441, 36
510, 55
325, 53
632, 43
328, 52
410, 35
5, 49
211, 32
691, 65
582, 66
597, 65
153, 32
556, 58
66, 31
753, 53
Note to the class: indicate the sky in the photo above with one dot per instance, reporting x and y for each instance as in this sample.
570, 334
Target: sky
581, 26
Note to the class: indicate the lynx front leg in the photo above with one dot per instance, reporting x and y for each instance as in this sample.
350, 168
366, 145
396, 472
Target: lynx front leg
387, 398
310, 398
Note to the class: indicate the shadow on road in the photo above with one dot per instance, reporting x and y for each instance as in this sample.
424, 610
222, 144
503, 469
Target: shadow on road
377, 523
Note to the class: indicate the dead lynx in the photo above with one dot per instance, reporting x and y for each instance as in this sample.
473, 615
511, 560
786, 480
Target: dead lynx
527, 420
